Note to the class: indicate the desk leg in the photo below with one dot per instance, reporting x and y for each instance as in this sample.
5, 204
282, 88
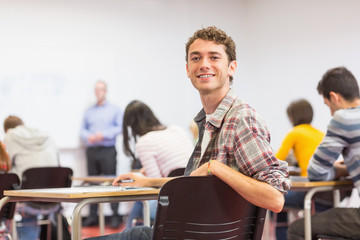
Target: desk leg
337, 197
76, 221
3, 202
307, 208
59, 227
146, 213
101, 219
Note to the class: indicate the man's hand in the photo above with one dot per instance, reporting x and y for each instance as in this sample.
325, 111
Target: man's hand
94, 138
341, 170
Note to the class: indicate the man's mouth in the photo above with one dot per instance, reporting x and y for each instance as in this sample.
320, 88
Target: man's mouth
206, 76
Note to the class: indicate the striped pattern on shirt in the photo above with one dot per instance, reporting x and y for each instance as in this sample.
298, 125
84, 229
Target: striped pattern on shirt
164, 150
342, 137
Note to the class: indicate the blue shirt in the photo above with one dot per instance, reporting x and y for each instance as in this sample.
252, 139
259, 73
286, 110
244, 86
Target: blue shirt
107, 119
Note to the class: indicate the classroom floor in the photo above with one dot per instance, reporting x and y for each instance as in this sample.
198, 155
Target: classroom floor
94, 231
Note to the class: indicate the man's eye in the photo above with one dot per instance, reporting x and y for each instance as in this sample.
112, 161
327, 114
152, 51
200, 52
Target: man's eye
195, 58
215, 58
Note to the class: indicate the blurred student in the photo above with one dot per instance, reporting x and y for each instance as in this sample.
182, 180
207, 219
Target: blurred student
28, 148
340, 92
302, 140
100, 128
194, 131
159, 148
5, 163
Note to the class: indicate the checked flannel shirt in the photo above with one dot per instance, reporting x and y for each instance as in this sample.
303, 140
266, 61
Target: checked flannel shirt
240, 139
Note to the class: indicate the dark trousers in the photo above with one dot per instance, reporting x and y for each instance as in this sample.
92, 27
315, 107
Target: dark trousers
101, 161
338, 222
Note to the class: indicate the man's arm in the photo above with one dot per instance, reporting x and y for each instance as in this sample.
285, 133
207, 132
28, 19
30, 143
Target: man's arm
258, 193
84, 131
115, 128
321, 165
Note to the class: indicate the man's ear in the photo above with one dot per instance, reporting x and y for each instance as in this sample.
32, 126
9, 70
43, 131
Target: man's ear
187, 70
334, 97
232, 67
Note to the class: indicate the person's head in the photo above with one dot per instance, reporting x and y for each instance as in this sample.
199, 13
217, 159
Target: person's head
4, 158
210, 54
100, 91
12, 122
300, 112
338, 87
138, 120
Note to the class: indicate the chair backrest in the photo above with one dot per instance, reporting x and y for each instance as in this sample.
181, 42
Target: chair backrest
46, 177
205, 208
8, 181
177, 172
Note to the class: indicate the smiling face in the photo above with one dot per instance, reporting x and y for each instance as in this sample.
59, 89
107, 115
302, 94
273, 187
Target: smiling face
208, 67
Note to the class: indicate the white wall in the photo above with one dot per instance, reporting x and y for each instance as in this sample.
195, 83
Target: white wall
52, 52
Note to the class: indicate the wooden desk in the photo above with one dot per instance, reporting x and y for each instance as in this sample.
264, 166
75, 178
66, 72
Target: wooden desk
95, 179
313, 187
81, 196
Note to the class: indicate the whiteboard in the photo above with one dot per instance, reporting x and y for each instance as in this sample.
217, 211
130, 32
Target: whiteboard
53, 52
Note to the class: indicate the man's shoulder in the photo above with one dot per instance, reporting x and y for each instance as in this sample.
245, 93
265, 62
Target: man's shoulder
241, 109
347, 115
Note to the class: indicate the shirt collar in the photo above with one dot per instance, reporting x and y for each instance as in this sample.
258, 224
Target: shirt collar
220, 112
105, 104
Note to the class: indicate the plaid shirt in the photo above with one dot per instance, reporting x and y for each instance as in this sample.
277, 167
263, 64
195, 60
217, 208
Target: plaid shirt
240, 139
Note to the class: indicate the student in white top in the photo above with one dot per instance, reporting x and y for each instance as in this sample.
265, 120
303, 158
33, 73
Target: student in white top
159, 149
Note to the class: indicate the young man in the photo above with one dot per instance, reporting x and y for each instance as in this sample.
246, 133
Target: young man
340, 91
101, 125
234, 143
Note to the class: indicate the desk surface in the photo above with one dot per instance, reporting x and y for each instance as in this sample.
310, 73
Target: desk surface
95, 179
81, 192
312, 184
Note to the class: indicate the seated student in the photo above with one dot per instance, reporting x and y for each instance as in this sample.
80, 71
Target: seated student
302, 140
340, 92
5, 163
160, 149
234, 142
28, 148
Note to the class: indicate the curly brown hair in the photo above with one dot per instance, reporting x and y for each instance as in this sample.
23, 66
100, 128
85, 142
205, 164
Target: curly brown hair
217, 36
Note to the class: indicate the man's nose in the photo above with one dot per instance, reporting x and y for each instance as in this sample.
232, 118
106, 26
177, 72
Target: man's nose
204, 64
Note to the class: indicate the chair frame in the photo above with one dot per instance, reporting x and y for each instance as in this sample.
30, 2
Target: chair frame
205, 208
8, 181
47, 177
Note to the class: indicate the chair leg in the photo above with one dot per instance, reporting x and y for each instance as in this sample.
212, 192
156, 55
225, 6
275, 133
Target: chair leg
13, 230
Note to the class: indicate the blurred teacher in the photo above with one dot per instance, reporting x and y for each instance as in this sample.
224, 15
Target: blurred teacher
101, 125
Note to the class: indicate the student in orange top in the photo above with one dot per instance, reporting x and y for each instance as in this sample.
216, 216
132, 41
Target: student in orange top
303, 138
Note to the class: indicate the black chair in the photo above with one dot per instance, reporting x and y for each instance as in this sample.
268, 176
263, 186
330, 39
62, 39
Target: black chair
177, 172
327, 237
46, 177
8, 181
205, 208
